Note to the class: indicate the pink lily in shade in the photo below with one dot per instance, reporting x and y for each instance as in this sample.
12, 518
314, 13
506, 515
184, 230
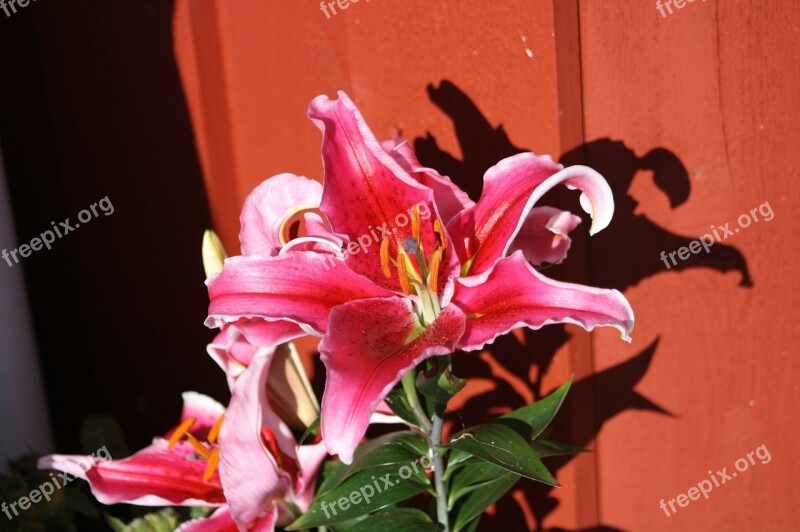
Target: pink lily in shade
167, 472
288, 389
244, 461
396, 264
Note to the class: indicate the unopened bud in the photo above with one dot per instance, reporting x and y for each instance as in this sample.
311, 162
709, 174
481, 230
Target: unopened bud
213, 253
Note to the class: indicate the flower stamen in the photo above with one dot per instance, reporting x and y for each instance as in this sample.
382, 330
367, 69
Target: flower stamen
213, 434
385, 258
433, 276
403, 274
213, 461
201, 449
180, 432
437, 227
415, 222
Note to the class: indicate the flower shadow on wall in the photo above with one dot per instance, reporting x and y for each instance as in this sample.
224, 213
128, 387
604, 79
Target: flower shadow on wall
617, 264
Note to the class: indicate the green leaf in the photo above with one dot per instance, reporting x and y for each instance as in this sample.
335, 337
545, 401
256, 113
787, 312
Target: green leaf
332, 472
345, 526
398, 402
501, 445
310, 431
476, 502
362, 493
532, 419
196, 512
472, 526
456, 460
116, 524
395, 449
437, 382
546, 448
471, 477
394, 519
164, 521
474, 473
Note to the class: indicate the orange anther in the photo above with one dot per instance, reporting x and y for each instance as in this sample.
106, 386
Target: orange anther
385, 258
213, 461
415, 221
201, 449
213, 434
437, 227
180, 432
436, 261
403, 274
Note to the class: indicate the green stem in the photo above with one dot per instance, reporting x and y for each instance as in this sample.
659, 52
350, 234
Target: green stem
439, 468
410, 387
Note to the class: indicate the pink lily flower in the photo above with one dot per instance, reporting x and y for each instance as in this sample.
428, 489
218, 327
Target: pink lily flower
394, 264
167, 472
248, 466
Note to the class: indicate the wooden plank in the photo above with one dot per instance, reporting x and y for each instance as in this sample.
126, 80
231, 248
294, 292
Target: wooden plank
713, 84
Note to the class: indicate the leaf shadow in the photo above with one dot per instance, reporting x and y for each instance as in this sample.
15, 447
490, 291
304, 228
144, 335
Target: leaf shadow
627, 253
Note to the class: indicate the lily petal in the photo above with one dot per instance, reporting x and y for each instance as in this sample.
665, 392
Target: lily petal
300, 286
384, 415
544, 237
315, 226
222, 349
513, 294
289, 391
203, 409
369, 346
450, 200
235, 346
154, 476
219, 521
367, 195
511, 188
250, 472
242, 338
72, 464
222, 521
269, 205
310, 458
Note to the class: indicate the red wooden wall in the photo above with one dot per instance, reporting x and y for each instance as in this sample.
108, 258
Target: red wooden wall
713, 83
690, 118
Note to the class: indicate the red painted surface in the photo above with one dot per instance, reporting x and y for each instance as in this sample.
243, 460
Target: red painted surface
698, 105
713, 83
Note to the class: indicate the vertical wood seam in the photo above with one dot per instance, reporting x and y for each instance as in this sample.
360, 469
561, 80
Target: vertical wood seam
581, 346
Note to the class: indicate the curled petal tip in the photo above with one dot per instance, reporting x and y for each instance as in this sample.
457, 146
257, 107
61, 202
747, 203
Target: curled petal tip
626, 326
597, 199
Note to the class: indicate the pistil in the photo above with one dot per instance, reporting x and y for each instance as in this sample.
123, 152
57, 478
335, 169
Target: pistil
420, 277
